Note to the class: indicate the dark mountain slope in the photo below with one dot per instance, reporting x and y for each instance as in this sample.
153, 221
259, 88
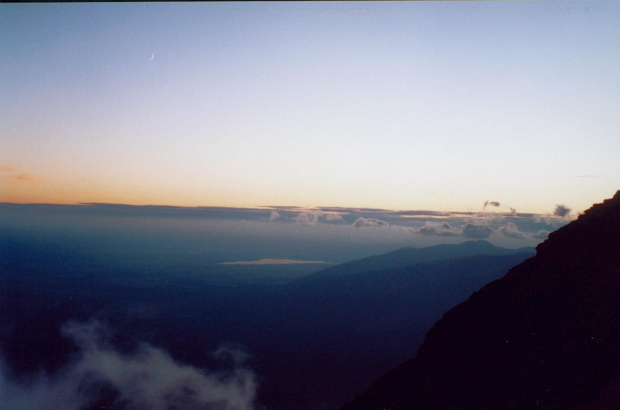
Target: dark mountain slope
410, 256
546, 335
355, 327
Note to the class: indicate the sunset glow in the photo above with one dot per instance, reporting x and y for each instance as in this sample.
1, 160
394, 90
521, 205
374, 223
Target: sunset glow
393, 105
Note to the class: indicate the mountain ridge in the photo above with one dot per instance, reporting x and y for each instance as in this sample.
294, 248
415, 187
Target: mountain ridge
410, 256
545, 335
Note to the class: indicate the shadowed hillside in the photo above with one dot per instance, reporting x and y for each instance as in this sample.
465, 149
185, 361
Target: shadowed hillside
546, 335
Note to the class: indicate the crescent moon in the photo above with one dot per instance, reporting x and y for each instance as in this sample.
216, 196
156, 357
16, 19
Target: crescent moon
152, 56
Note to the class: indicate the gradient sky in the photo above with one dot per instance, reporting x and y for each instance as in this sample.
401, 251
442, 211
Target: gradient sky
397, 105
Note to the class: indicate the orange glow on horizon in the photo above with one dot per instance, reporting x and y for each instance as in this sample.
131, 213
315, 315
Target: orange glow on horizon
18, 186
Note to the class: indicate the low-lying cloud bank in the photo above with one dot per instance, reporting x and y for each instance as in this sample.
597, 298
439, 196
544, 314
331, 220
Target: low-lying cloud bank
478, 230
501, 221
146, 379
207, 235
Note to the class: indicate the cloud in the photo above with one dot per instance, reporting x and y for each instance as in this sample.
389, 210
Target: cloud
233, 353
308, 217
510, 230
369, 223
469, 230
24, 176
559, 217
561, 211
148, 379
497, 205
313, 217
476, 231
542, 234
492, 203
274, 215
21, 177
331, 216
431, 228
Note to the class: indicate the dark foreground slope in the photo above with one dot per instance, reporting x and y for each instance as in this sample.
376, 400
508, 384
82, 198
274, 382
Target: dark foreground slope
545, 335
356, 327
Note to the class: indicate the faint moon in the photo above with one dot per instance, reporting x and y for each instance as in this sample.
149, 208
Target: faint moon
152, 56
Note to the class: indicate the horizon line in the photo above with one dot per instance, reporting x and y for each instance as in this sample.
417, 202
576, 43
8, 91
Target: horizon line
291, 208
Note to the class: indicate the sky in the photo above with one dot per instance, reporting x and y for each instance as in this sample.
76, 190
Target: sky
395, 105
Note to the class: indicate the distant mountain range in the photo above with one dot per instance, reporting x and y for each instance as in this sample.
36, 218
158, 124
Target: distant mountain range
546, 335
411, 256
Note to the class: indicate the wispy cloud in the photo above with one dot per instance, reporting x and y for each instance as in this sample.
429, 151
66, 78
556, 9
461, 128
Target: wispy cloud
369, 223
24, 176
146, 379
12, 175
490, 203
313, 217
468, 230
510, 230
332, 216
433, 228
542, 234
496, 204
308, 217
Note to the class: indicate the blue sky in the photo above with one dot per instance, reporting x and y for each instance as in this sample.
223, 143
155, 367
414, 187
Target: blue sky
395, 105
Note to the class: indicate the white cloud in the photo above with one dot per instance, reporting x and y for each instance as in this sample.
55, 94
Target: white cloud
542, 234
308, 217
314, 217
274, 215
510, 230
146, 379
331, 216
369, 223
434, 228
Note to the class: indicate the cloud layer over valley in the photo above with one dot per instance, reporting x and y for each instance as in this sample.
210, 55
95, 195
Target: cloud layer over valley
201, 236
147, 378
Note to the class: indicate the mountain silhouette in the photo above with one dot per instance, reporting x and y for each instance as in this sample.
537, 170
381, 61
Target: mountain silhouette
410, 256
546, 335
356, 326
